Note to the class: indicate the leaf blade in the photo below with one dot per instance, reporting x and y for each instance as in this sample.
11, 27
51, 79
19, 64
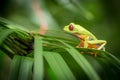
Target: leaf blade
38, 59
83, 63
25, 68
4, 33
14, 71
59, 66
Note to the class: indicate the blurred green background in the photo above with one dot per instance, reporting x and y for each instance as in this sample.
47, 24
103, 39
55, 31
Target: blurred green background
101, 17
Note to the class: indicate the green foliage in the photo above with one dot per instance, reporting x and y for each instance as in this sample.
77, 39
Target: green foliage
21, 68
59, 66
101, 17
38, 59
14, 73
56, 55
4, 33
82, 63
25, 70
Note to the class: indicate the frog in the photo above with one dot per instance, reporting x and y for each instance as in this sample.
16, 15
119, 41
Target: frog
87, 39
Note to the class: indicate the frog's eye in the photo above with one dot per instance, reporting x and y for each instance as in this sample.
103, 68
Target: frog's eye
71, 27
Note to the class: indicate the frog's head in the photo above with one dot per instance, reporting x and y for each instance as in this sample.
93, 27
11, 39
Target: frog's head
72, 28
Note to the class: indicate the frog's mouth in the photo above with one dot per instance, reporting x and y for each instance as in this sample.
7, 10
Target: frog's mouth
77, 34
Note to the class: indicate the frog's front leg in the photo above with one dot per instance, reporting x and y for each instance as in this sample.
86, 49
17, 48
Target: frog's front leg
99, 43
81, 44
82, 41
86, 44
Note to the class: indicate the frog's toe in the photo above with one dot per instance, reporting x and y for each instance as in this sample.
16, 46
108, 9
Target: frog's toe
79, 46
93, 53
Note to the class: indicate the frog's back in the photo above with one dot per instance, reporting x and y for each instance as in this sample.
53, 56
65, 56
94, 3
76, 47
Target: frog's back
84, 31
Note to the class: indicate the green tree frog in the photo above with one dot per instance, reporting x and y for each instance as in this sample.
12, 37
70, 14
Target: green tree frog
87, 39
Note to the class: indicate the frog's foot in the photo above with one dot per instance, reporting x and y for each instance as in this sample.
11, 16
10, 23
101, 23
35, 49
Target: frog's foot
93, 53
79, 46
82, 52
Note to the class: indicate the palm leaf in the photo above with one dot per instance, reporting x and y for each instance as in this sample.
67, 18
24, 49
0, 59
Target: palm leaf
14, 71
59, 66
57, 52
38, 59
25, 70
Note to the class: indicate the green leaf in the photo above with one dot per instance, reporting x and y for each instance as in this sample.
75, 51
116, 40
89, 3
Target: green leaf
4, 33
7, 51
38, 59
113, 60
14, 71
12, 25
82, 62
25, 68
59, 66
113, 57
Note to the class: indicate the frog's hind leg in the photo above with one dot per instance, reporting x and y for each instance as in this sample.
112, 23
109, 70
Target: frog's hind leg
96, 44
100, 43
102, 47
81, 44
